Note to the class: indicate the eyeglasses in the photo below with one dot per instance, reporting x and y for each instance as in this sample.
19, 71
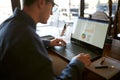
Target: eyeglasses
52, 2
55, 6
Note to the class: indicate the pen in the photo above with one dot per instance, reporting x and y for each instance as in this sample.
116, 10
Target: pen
102, 61
100, 67
63, 31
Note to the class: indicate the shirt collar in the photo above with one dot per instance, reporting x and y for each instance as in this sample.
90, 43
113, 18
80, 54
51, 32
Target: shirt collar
25, 16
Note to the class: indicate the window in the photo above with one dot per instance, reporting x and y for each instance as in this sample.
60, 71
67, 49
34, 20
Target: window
93, 6
69, 9
66, 12
5, 10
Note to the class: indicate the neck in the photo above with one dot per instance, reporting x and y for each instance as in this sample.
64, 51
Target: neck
31, 11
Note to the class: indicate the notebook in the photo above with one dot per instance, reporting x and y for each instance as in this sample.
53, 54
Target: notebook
111, 71
88, 36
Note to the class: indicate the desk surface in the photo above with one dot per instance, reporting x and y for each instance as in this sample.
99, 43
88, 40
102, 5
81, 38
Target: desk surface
111, 50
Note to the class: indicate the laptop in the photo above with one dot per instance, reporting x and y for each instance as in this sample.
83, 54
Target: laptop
88, 36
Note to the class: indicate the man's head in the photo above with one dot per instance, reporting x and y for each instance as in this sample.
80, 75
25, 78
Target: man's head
30, 2
39, 10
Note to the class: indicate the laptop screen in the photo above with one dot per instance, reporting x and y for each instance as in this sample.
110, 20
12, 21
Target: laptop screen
90, 31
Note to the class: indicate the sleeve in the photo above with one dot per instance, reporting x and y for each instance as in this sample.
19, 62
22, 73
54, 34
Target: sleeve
73, 71
46, 43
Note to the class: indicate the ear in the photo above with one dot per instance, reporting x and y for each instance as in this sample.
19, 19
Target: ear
40, 3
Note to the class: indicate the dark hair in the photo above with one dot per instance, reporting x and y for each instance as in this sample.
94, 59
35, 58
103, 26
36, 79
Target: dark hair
29, 2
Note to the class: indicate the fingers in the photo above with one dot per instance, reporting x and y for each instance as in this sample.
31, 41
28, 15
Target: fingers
88, 56
61, 42
57, 42
85, 58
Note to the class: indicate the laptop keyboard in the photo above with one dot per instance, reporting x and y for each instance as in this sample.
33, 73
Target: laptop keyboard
69, 51
75, 49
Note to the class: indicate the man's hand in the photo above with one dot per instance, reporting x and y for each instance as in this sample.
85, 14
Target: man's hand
85, 58
57, 42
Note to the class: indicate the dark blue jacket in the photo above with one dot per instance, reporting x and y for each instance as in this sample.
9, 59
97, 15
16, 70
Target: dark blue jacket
23, 55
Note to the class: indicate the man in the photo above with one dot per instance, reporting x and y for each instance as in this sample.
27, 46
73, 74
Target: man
23, 55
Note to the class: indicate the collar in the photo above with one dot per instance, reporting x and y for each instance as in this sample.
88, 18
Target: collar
25, 17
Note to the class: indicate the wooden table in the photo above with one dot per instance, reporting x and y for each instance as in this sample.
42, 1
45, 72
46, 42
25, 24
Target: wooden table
112, 50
